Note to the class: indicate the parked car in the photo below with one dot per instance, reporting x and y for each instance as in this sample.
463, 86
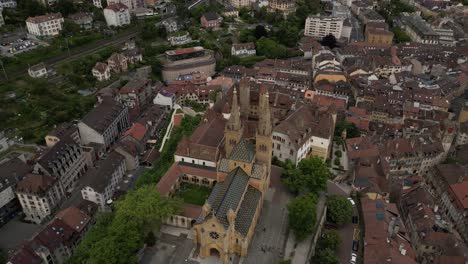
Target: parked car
353, 258
351, 201
355, 245
355, 219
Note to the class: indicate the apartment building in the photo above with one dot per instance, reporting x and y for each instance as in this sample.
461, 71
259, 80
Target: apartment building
39, 196
101, 71
136, 94
240, 3
378, 33
321, 26
419, 30
306, 132
64, 161
104, 124
48, 25
11, 172
8, 4
243, 49
131, 4
285, 7
101, 182
117, 15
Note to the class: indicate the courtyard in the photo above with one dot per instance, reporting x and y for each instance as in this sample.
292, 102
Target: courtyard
193, 194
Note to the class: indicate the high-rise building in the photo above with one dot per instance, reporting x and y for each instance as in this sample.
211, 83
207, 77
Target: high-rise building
321, 26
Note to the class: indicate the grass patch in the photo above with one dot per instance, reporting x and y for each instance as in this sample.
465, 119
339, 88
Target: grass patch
193, 194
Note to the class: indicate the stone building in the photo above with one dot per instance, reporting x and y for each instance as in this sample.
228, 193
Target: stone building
39, 196
224, 226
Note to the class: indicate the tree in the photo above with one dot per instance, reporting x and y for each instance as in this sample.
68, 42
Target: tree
339, 210
117, 237
271, 49
260, 31
329, 41
3, 256
326, 256
400, 35
150, 239
310, 175
246, 35
352, 131
331, 239
302, 215
69, 28
66, 7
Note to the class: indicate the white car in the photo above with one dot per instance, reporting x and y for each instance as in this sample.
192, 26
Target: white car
353, 258
351, 201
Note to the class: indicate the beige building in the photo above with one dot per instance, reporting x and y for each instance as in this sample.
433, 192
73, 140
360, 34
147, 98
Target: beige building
48, 25
285, 7
240, 3
39, 196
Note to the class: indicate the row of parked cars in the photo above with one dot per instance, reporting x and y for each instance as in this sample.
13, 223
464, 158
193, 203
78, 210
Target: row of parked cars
355, 220
20, 45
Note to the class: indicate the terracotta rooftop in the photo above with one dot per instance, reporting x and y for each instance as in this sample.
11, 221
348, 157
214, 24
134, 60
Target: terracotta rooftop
74, 218
461, 193
116, 7
44, 18
35, 184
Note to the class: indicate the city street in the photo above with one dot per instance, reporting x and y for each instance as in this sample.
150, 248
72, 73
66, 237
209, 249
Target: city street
346, 231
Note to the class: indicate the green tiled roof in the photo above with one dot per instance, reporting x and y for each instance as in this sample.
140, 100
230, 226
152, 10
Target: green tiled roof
244, 151
228, 195
247, 210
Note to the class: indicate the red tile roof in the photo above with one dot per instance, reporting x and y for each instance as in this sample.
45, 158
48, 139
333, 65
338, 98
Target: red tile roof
137, 131
44, 18
35, 184
74, 218
323, 100
116, 7
178, 119
191, 210
461, 193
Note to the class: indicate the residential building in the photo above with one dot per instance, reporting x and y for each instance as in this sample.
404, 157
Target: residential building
38, 71
449, 182
11, 172
462, 134
84, 20
48, 25
65, 161
117, 15
8, 4
284, 7
211, 20
2, 21
304, 133
171, 25
136, 95
180, 38
101, 182
131, 4
385, 235
378, 33
62, 131
117, 62
243, 49
97, 3
101, 71
370, 16
104, 124
187, 60
446, 36
321, 26
199, 94
39, 196
230, 11
165, 98
239, 3
419, 30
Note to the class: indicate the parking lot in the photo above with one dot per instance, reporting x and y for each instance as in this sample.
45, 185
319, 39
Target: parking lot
17, 43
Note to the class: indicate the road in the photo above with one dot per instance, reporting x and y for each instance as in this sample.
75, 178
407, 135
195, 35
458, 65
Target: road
79, 52
356, 31
346, 231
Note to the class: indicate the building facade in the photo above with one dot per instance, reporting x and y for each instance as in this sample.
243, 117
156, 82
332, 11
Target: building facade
48, 25
321, 26
117, 15
39, 196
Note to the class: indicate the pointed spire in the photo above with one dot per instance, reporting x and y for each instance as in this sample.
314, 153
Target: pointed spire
234, 122
264, 122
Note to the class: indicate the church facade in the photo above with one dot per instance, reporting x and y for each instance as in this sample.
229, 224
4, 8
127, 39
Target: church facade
225, 224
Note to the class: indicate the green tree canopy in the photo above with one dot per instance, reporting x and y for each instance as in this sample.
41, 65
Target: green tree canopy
340, 210
329, 41
302, 215
331, 239
271, 49
400, 35
260, 31
310, 175
117, 236
326, 256
352, 130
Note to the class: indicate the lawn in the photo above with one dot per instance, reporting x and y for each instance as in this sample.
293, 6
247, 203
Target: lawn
193, 194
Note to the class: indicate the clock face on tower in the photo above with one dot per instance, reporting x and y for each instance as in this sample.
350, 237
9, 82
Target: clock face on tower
214, 235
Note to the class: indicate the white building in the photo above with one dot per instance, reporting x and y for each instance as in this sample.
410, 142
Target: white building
165, 98
97, 3
7, 4
38, 71
170, 24
243, 49
117, 15
306, 132
39, 195
102, 181
101, 71
321, 26
48, 25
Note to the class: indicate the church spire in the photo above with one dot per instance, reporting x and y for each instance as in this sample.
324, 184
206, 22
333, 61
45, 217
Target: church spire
234, 122
264, 122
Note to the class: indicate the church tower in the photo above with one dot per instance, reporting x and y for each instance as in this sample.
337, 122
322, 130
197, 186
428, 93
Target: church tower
244, 95
233, 131
264, 131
